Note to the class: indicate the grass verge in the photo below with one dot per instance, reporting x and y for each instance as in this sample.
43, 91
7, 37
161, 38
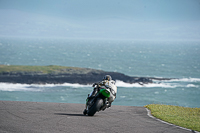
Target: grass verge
181, 116
43, 69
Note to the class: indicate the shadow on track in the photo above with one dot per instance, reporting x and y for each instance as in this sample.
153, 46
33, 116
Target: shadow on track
69, 114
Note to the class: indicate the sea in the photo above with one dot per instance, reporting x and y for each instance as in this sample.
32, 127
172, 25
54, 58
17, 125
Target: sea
179, 60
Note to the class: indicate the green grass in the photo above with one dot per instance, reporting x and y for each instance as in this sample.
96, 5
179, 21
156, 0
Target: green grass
177, 115
43, 69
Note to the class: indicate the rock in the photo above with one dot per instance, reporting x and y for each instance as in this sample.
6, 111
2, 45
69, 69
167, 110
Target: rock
60, 74
88, 76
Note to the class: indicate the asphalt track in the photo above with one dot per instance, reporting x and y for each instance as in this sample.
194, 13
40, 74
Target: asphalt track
37, 117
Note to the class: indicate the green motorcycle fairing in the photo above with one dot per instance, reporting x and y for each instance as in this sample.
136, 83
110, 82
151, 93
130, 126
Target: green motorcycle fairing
105, 93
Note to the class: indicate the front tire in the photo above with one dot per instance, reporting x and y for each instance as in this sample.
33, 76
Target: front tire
95, 107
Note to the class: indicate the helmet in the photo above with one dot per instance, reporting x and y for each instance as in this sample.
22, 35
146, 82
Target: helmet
107, 77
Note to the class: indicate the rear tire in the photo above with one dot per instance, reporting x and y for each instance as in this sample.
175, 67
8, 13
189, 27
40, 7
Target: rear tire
85, 112
95, 107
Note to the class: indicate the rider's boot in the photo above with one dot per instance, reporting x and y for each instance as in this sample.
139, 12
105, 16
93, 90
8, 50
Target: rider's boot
109, 105
104, 107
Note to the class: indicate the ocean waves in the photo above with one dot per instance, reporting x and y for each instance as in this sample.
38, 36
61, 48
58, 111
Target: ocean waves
174, 83
187, 80
123, 84
163, 84
182, 92
36, 87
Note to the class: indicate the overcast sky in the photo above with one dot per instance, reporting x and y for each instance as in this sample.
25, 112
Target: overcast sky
101, 19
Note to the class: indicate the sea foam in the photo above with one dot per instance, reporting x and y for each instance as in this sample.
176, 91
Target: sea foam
150, 85
186, 80
16, 87
162, 84
35, 87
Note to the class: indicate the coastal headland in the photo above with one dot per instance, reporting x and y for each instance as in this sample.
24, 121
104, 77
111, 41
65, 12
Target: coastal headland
62, 74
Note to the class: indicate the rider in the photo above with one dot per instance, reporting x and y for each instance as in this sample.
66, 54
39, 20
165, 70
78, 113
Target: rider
108, 84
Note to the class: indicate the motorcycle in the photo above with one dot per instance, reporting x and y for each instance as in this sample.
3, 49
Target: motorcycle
97, 103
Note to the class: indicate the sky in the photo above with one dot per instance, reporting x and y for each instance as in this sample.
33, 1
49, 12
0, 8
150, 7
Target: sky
101, 19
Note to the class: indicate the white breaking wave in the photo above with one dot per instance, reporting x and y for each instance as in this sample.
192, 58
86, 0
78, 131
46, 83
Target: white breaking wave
123, 84
16, 87
192, 86
161, 84
150, 85
35, 87
76, 85
186, 80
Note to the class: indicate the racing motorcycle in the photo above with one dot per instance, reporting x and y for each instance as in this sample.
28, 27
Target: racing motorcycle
97, 103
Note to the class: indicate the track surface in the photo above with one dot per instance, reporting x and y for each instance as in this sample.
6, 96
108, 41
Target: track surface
37, 117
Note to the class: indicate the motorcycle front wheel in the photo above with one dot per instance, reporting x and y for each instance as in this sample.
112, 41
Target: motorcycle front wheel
95, 107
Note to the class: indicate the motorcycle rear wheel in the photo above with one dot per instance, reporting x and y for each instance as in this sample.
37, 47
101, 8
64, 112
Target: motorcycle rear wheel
95, 107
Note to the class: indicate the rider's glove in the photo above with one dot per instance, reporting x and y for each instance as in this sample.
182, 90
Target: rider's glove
94, 84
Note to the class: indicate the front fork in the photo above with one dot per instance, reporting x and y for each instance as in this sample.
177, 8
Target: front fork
92, 94
90, 102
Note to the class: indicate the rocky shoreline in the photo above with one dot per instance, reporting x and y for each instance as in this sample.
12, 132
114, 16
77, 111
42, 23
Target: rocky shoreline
82, 76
